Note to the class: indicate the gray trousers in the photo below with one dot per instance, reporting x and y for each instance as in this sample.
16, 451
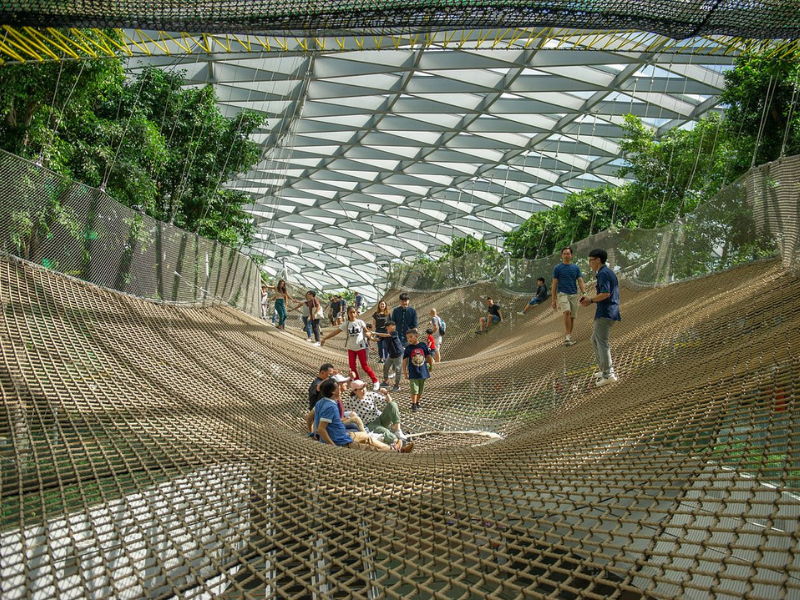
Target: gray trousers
601, 334
393, 364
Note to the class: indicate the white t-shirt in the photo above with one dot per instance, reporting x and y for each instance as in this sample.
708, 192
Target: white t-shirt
356, 334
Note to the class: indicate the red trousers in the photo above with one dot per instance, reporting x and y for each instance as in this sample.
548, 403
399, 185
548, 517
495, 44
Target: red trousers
362, 358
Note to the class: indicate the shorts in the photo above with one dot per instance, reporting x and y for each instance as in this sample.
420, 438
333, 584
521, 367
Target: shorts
534, 301
568, 302
495, 319
416, 386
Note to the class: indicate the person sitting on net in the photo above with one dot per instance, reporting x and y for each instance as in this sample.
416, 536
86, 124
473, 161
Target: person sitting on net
325, 423
539, 298
493, 315
381, 413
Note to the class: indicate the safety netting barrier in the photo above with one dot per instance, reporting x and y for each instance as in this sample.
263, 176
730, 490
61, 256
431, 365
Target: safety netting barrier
756, 217
759, 20
158, 450
63, 225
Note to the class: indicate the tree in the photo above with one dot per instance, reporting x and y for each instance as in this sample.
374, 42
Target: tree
672, 175
762, 94
459, 246
582, 214
153, 144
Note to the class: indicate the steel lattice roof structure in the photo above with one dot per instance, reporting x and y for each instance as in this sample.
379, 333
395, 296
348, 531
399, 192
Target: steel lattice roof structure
383, 151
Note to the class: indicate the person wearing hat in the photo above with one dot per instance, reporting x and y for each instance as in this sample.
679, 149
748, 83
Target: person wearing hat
327, 425
386, 420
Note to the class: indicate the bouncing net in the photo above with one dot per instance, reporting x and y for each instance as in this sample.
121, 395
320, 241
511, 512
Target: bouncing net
153, 449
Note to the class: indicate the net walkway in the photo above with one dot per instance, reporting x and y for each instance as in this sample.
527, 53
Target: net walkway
152, 450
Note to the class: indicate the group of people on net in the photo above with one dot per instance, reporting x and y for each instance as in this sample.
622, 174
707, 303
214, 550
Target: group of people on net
567, 280
372, 419
343, 413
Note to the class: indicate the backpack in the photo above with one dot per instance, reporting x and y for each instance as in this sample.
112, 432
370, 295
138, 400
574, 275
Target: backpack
442, 326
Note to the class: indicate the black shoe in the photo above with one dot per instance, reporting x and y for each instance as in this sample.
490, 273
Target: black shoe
414, 407
396, 388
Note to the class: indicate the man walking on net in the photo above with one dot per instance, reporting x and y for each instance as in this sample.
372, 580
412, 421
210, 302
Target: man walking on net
607, 300
566, 281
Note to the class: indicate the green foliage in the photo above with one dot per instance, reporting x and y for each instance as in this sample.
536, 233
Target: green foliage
465, 260
35, 223
459, 246
155, 145
762, 89
674, 174
581, 215
671, 175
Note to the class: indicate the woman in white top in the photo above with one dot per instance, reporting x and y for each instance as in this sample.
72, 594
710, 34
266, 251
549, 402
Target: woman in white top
356, 344
264, 302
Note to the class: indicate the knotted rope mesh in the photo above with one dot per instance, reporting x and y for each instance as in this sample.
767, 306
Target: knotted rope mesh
158, 449
775, 19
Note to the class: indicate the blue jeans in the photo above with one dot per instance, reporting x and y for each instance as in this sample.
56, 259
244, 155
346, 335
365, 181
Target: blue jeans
383, 349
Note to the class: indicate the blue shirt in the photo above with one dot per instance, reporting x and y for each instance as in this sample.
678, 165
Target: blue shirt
417, 360
327, 411
394, 345
567, 276
405, 319
607, 284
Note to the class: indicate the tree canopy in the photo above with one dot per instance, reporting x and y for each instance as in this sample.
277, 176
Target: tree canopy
153, 143
672, 174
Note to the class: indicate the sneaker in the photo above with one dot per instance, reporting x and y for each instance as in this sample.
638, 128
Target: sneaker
520, 313
308, 340
605, 380
414, 408
479, 331
599, 374
376, 386
570, 342
317, 344
380, 362
396, 388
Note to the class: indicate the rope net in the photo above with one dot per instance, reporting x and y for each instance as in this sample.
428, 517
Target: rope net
66, 226
776, 19
158, 450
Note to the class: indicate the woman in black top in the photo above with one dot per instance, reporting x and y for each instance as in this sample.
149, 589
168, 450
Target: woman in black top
380, 317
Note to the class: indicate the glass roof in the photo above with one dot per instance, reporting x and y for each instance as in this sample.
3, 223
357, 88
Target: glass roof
373, 154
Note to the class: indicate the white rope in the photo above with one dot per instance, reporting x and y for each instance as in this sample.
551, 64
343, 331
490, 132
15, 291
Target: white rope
790, 115
767, 103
